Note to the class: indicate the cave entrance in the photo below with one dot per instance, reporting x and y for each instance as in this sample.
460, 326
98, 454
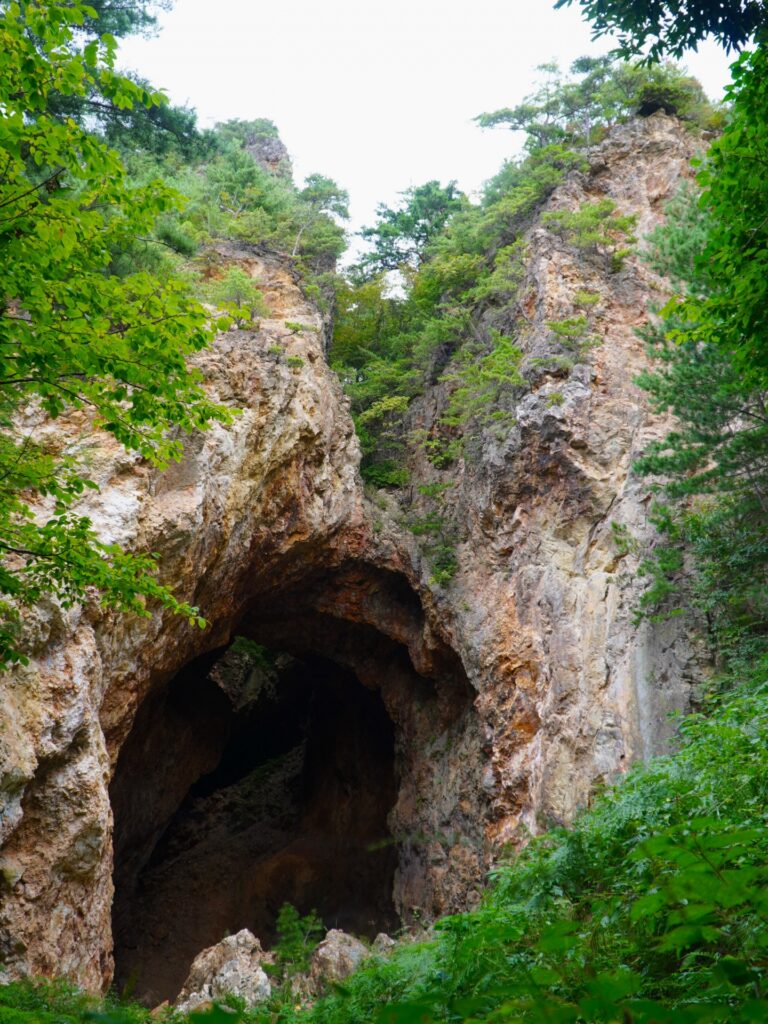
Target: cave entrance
250, 780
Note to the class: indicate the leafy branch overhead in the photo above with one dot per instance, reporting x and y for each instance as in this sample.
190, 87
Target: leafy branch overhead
72, 335
656, 28
102, 281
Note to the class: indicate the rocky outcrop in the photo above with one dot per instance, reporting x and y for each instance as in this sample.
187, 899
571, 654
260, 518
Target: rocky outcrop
513, 691
264, 145
231, 967
552, 521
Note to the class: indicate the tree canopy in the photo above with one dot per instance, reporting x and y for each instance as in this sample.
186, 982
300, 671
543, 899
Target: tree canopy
600, 91
657, 27
734, 311
401, 236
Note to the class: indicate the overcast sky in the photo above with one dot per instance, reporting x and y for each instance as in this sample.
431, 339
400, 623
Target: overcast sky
377, 95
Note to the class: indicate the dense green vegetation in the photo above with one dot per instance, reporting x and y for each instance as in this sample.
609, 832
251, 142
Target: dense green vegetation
658, 27
710, 340
230, 195
72, 335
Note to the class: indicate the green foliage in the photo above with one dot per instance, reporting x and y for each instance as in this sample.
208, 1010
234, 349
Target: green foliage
623, 539
571, 331
42, 1001
713, 467
445, 564
502, 279
256, 653
297, 937
463, 266
575, 112
160, 129
439, 546
731, 313
586, 300
481, 379
388, 345
595, 227
126, 17
652, 908
402, 236
319, 198
232, 196
654, 27
101, 280
238, 295
73, 335
157, 127
385, 473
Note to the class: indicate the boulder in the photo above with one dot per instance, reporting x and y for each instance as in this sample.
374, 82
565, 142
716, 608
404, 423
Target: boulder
337, 956
382, 944
231, 967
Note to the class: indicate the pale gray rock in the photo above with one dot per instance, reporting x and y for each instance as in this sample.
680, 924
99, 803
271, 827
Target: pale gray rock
231, 967
382, 944
335, 958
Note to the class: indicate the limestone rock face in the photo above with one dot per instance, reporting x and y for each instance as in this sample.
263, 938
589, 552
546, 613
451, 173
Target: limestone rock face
570, 690
231, 967
513, 691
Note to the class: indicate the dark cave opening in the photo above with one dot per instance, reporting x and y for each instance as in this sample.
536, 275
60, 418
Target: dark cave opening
248, 781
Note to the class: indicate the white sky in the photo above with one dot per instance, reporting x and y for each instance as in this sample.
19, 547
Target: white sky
378, 95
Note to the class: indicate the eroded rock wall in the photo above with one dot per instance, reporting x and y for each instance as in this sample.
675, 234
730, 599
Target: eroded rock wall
553, 522
514, 690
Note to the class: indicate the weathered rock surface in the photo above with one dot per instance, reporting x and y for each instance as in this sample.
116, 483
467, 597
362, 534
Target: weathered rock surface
571, 691
231, 967
335, 958
382, 944
513, 692
269, 152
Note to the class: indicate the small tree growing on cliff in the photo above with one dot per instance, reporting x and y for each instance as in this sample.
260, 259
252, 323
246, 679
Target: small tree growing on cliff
238, 295
319, 196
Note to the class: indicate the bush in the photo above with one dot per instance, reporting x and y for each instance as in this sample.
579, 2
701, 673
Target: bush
297, 937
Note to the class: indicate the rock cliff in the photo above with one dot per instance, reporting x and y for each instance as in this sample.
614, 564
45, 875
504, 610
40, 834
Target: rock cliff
509, 694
